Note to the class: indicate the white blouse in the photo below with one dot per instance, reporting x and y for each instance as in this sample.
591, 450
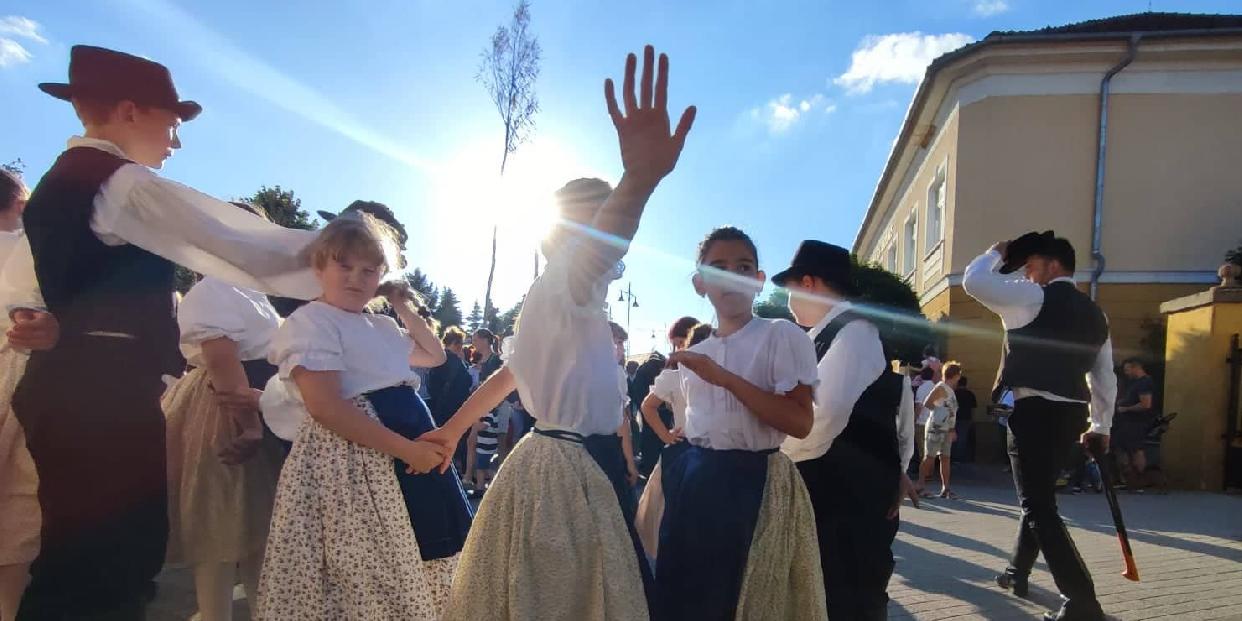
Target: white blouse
667, 388
214, 309
18, 286
369, 350
773, 354
562, 357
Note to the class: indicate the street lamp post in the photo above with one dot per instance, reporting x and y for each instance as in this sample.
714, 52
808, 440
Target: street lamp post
631, 303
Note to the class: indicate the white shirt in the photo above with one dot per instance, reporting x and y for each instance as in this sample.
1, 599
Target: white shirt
905, 423
562, 356
197, 231
772, 354
8, 241
214, 309
18, 286
370, 351
920, 397
1018, 301
667, 388
852, 363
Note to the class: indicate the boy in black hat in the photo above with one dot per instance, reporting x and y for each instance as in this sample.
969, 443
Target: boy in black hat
850, 462
104, 231
1058, 361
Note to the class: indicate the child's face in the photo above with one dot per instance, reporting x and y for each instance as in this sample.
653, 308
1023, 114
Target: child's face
153, 135
730, 277
349, 283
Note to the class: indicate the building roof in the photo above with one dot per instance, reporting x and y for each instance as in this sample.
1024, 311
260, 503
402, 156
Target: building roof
1148, 25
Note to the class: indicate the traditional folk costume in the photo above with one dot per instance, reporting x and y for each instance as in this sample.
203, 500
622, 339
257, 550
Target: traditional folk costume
667, 388
852, 459
353, 536
1058, 361
554, 535
104, 233
19, 484
737, 538
218, 512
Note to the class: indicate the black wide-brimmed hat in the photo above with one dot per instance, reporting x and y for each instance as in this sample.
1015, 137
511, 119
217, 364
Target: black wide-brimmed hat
379, 211
827, 261
1022, 248
111, 75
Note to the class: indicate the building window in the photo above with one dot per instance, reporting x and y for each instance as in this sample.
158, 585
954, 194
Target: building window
890, 262
910, 237
935, 210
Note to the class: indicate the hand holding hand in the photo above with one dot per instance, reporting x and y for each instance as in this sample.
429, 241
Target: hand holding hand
422, 456
648, 151
702, 366
443, 438
33, 330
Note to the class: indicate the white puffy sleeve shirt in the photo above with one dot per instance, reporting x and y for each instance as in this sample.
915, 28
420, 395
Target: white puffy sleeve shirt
214, 309
562, 356
773, 354
370, 351
667, 388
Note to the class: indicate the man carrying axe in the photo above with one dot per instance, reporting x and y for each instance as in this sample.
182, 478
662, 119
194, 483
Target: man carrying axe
1058, 360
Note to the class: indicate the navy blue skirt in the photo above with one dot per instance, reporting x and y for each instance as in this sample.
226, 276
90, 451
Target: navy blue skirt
711, 506
439, 511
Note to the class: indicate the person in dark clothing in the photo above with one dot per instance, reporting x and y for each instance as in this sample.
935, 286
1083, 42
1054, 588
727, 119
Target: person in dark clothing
649, 444
448, 385
1058, 360
964, 450
1136, 411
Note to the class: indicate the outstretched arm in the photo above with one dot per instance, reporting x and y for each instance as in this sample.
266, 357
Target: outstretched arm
484, 400
649, 152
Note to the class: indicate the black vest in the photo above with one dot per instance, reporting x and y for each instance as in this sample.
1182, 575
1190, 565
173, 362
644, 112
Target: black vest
870, 437
89, 286
1057, 349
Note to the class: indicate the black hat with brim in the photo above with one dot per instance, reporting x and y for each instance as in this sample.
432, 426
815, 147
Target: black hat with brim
1022, 248
101, 73
829, 262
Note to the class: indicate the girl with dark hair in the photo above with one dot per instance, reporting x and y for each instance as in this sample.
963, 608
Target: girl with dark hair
737, 516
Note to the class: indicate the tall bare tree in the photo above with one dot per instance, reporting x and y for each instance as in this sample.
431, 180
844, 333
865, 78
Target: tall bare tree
509, 69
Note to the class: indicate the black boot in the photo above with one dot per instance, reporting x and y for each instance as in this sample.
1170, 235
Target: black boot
1011, 579
1075, 611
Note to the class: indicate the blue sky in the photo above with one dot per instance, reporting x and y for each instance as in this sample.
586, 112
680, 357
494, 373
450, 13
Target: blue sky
799, 103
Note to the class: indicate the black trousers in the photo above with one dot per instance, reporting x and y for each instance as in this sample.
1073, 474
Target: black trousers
851, 493
1042, 435
95, 430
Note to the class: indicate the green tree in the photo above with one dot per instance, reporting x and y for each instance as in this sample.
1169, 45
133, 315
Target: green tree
475, 319
776, 306
448, 312
284, 208
506, 321
420, 282
16, 167
1232, 256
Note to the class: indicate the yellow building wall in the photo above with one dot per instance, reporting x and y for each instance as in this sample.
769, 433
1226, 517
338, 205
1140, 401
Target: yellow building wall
1172, 190
1196, 387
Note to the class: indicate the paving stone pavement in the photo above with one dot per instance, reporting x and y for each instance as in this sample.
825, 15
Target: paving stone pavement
1188, 547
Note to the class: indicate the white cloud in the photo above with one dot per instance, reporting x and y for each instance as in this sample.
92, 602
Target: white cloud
12, 53
14, 27
782, 113
988, 8
900, 57
23, 27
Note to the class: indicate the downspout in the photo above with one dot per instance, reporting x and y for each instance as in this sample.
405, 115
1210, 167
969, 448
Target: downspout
1097, 228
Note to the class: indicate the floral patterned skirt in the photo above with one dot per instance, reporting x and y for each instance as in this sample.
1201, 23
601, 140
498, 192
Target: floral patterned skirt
340, 544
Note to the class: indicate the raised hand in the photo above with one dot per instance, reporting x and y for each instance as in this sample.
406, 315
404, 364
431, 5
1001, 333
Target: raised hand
649, 151
704, 367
